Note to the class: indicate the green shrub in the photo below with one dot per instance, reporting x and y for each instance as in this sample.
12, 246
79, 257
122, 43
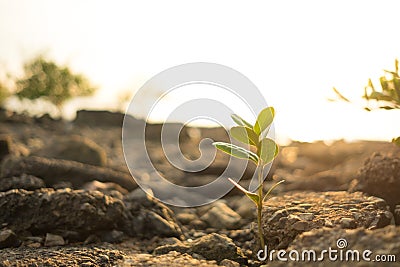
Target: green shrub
46, 80
388, 97
4, 94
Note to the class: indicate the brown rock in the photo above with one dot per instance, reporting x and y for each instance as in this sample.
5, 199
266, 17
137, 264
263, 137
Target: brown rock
289, 215
397, 214
27, 182
53, 171
53, 240
61, 256
8, 239
380, 176
211, 247
76, 148
77, 214
220, 216
384, 241
186, 218
99, 118
5, 146
106, 188
47, 210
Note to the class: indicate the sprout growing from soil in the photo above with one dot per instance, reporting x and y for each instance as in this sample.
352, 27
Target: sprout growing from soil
265, 151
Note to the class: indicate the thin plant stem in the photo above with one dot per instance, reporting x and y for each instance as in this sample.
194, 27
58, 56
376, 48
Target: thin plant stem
260, 205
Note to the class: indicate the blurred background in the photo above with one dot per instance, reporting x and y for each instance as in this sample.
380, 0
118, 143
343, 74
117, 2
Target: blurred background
294, 51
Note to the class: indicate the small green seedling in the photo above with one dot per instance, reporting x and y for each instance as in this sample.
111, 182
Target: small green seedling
266, 151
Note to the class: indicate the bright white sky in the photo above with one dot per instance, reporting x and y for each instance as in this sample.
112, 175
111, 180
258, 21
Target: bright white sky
294, 51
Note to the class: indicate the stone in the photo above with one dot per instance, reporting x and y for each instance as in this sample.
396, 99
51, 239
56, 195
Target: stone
198, 224
217, 247
61, 256
172, 258
147, 217
397, 215
105, 188
91, 239
53, 171
211, 247
48, 210
5, 146
24, 181
220, 216
284, 216
383, 241
306, 216
186, 218
246, 208
300, 225
8, 239
75, 148
327, 180
348, 223
229, 263
9, 147
382, 219
99, 118
161, 226
34, 245
113, 236
53, 240
380, 176
105, 217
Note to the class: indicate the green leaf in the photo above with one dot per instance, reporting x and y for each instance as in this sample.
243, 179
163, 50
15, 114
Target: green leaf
240, 121
244, 135
254, 197
371, 85
396, 141
272, 188
264, 119
380, 97
391, 72
366, 93
236, 151
269, 150
387, 107
342, 97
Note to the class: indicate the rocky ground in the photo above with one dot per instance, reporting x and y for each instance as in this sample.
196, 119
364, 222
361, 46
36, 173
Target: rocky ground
68, 199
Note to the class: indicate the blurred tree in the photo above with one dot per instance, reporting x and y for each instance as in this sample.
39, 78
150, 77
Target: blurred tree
389, 95
4, 94
45, 79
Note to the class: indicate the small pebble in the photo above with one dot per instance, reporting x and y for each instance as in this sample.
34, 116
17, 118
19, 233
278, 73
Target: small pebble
306, 216
300, 226
348, 223
53, 240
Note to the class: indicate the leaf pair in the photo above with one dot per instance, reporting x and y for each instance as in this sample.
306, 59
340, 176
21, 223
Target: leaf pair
246, 133
264, 120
